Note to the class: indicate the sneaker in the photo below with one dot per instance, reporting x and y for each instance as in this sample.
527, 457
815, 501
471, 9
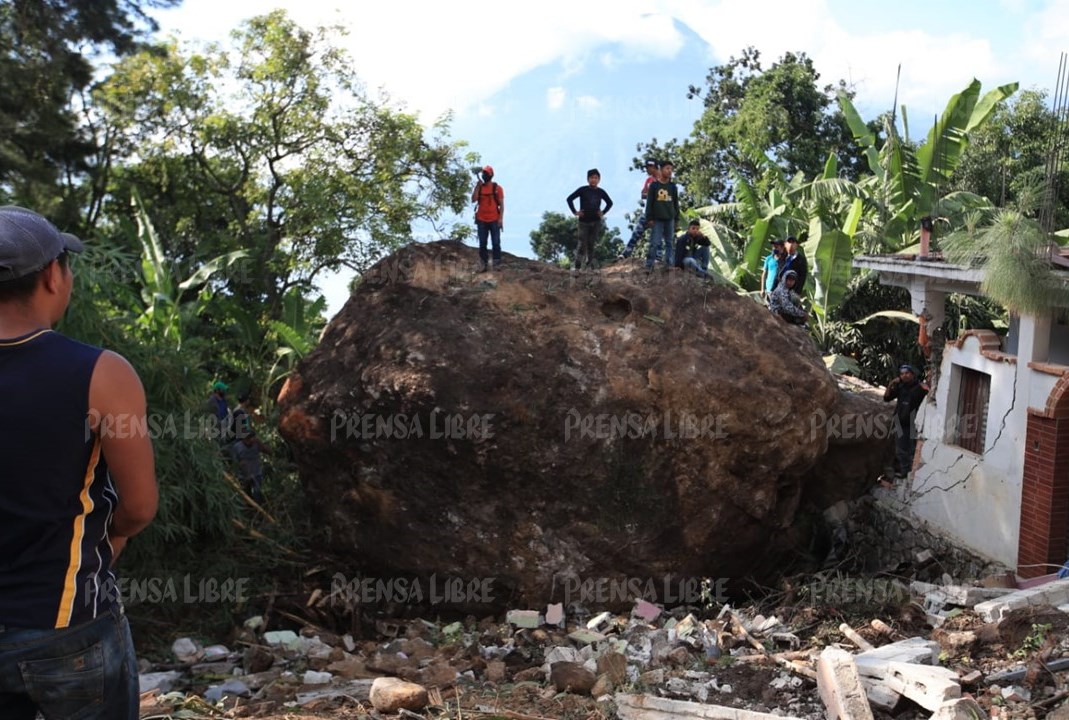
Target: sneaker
482, 268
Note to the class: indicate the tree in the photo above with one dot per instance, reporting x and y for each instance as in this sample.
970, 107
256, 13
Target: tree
781, 111
46, 48
556, 238
274, 148
1008, 155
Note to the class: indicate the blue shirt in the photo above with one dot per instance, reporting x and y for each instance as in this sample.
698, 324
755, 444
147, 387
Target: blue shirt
771, 271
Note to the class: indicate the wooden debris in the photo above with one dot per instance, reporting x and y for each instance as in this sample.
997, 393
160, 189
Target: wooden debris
853, 636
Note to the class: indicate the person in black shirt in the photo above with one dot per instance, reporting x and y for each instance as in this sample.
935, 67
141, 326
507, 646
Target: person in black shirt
909, 394
590, 212
794, 260
692, 249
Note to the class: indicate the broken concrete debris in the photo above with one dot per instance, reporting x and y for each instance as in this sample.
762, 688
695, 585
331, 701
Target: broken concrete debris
840, 687
738, 664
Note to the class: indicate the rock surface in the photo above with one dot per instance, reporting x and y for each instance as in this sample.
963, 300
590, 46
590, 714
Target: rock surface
536, 427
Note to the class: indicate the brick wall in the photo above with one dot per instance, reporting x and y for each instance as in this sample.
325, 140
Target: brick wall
1045, 494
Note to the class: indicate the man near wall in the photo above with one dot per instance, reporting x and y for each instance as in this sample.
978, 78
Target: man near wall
909, 394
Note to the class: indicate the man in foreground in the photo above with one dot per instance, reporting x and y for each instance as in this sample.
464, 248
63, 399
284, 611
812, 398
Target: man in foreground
78, 481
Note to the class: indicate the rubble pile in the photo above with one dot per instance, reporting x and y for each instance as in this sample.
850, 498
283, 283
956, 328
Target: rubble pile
976, 652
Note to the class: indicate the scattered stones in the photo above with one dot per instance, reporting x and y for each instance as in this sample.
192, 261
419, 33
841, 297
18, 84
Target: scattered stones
319, 670
186, 650
389, 695
571, 677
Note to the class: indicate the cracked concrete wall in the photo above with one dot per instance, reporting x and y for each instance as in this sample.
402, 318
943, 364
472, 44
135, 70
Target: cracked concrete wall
975, 498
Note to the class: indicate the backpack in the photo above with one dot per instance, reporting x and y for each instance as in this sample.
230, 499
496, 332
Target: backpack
486, 198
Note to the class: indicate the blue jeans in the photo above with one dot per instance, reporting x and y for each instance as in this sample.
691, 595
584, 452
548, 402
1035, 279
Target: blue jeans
692, 264
493, 229
636, 235
86, 672
701, 254
663, 232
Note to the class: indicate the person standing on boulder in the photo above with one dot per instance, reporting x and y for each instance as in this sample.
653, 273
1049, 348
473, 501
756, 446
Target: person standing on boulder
662, 215
489, 201
78, 481
653, 174
909, 394
590, 213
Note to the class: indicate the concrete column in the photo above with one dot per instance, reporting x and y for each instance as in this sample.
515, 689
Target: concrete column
926, 301
1033, 345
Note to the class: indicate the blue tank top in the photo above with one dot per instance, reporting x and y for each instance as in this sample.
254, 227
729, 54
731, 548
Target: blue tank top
56, 497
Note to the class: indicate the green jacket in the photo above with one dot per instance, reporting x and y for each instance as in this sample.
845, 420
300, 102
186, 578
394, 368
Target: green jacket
662, 202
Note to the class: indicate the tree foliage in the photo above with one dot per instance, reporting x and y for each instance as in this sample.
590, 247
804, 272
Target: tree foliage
556, 240
46, 52
272, 146
1008, 155
780, 111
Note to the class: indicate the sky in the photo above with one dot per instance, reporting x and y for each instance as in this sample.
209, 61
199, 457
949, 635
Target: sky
546, 90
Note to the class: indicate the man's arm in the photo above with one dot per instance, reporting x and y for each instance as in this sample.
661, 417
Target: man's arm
650, 202
891, 391
571, 200
500, 207
475, 192
117, 396
675, 203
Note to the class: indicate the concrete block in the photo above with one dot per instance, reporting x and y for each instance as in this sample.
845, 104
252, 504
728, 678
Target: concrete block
873, 663
523, 618
555, 614
585, 637
927, 686
646, 610
1054, 593
648, 707
879, 694
840, 687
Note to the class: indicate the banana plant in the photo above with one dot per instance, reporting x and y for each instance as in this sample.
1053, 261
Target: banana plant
907, 181
169, 302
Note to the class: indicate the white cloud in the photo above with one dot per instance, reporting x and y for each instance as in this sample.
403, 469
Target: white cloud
555, 97
450, 55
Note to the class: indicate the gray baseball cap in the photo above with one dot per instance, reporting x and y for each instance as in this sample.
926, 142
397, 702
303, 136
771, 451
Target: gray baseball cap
28, 242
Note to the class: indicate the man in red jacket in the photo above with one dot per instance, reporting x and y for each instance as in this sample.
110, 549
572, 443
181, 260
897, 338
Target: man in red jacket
489, 215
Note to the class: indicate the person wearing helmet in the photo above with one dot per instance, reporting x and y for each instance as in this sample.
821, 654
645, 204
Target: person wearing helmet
489, 201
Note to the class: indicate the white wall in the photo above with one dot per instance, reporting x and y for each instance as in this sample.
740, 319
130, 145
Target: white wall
975, 498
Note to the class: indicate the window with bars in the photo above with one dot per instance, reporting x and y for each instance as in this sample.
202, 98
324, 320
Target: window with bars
968, 426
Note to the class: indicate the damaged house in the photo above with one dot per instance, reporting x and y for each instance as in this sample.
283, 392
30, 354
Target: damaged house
992, 463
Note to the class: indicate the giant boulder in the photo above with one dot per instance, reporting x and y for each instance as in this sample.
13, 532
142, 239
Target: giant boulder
544, 428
